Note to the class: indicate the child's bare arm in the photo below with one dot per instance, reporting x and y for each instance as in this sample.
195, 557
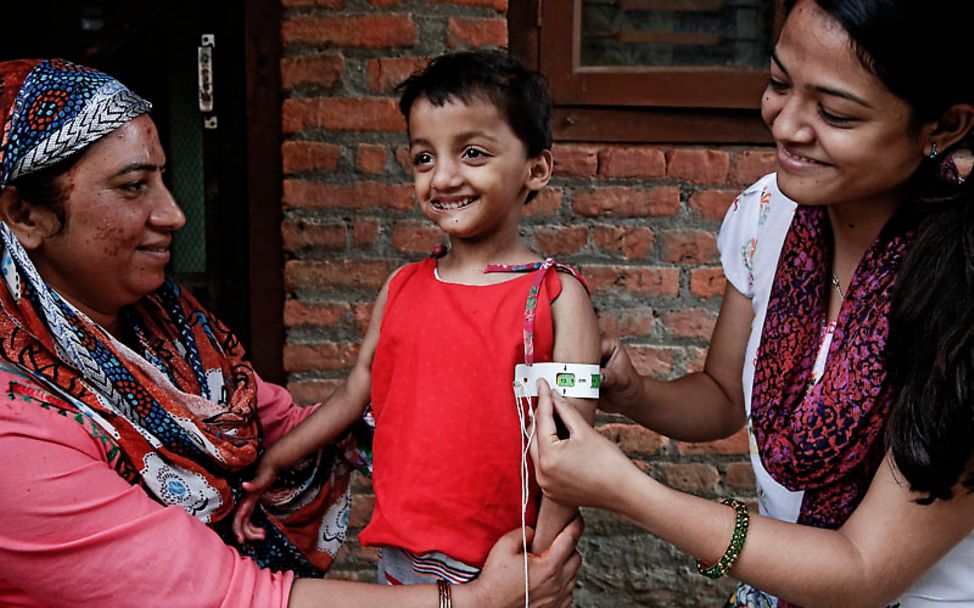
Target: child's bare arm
576, 340
336, 414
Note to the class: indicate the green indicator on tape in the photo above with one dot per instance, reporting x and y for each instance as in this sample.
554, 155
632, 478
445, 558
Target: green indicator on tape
565, 380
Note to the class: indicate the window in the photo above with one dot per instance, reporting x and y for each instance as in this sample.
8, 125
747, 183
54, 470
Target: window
652, 70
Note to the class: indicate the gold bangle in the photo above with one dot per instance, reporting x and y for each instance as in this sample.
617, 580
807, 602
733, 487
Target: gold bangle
741, 521
445, 596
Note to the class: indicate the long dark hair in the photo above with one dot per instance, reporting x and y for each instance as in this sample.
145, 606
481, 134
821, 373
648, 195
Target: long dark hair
917, 48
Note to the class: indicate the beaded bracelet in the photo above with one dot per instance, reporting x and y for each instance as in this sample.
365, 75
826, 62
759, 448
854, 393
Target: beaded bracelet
443, 590
741, 520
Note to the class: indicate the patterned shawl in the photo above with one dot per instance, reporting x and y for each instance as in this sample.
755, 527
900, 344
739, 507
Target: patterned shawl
177, 404
825, 439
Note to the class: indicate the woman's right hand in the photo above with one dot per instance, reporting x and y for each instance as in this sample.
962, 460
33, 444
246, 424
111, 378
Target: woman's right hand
552, 574
585, 469
621, 383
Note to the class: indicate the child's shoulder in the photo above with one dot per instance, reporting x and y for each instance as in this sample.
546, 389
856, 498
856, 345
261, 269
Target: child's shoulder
568, 287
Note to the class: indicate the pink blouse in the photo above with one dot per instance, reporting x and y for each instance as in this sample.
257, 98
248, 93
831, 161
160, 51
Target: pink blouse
75, 534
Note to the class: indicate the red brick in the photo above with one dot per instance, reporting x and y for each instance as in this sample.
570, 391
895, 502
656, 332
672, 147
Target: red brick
301, 233
698, 166
548, 202
656, 361
384, 3
370, 274
627, 242
363, 314
297, 313
342, 114
689, 247
361, 511
476, 32
696, 357
690, 322
712, 204
301, 156
317, 70
405, 160
359, 195
621, 201
632, 438
643, 280
410, 236
735, 444
364, 232
498, 5
371, 158
707, 282
739, 477
632, 161
575, 160
324, 3
385, 73
695, 477
628, 322
366, 31
325, 356
560, 240
312, 391
752, 165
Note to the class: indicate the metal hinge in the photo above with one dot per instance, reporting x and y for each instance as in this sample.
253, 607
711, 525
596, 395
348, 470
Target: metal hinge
204, 66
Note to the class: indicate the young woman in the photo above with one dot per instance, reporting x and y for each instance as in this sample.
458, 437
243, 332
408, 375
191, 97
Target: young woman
850, 274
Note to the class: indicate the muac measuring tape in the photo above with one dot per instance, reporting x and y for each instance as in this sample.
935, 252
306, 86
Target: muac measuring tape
576, 380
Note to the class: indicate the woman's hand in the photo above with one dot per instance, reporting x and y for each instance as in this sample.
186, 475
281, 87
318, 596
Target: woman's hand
552, 574
586, 469
264, 477
621, 383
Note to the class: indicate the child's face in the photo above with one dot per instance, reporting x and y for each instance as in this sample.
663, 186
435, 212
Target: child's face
470, 171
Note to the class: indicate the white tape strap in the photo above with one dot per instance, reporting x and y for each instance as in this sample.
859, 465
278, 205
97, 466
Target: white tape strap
568, 379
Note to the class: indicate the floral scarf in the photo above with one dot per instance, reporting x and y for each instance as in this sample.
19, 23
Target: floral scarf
825, 438
177, 401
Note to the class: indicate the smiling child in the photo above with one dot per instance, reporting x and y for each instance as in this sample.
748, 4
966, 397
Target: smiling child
438, 357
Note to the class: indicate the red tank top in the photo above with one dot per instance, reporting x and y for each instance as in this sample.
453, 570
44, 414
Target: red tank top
447, 449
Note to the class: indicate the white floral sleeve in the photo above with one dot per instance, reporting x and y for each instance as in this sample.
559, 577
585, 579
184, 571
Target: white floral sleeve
741, 231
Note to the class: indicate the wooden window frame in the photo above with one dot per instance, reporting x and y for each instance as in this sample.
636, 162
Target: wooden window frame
636, 104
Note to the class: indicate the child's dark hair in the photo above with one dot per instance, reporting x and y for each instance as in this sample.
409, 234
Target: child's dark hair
497, 77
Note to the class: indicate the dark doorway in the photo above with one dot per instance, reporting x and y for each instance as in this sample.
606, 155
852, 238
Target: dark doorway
223, 158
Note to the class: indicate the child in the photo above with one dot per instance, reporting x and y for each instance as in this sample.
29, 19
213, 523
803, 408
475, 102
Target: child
439, 354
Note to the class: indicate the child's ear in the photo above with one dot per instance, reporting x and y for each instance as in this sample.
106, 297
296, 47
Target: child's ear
31, 224
539, 170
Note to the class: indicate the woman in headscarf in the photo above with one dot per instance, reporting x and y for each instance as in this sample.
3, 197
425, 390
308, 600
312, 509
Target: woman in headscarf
128, 413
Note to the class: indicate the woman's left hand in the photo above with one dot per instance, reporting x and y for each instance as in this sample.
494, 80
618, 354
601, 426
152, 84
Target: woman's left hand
586, 469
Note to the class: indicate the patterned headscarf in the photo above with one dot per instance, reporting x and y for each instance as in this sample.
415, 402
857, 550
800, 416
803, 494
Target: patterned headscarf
50, 109
175, 405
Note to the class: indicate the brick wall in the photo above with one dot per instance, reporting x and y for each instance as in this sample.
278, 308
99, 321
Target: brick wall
639, 221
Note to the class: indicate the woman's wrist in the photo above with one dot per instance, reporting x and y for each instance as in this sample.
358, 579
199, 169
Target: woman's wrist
637, 490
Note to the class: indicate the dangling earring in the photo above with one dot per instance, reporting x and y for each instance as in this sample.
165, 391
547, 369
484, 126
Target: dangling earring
933, 152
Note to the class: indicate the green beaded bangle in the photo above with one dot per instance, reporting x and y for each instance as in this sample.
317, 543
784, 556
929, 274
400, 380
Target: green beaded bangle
741, 521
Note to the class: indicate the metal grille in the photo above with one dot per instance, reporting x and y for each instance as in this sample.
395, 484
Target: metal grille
680, 33
186, 161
